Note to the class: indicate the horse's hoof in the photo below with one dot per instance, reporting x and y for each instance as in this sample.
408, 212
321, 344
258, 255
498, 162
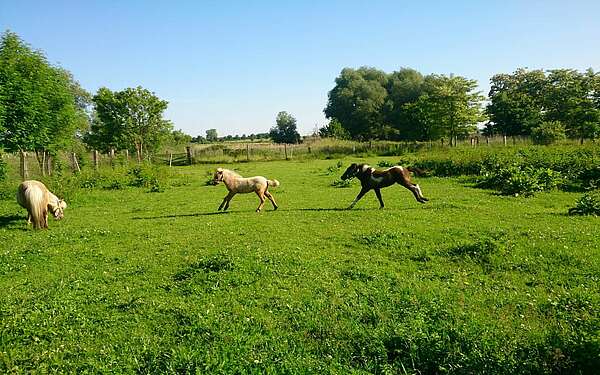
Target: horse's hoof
381, 207
275, 208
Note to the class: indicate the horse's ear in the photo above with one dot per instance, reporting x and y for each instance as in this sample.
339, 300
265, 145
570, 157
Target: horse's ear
219, 169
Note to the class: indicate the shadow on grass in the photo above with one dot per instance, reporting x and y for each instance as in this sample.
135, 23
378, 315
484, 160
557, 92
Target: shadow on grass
182, 215
12, 220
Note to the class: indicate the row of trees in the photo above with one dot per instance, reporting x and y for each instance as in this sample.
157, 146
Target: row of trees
367, 103
532, 102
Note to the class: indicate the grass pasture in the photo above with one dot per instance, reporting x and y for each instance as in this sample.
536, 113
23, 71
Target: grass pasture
138, 282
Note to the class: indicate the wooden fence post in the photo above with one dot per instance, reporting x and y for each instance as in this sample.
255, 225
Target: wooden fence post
188, 152
247, 152
170, 159
285, 150
487, 141
111, 155
127, 157
95, 158
504, 140
23, 163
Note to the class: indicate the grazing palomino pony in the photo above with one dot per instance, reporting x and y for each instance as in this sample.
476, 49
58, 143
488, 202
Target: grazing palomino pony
238, 184
38, 200
371, 178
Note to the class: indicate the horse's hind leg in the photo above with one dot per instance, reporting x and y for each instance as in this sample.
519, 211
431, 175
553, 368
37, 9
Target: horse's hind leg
404, 180
378, 193
416, 190
261, 196
268, 195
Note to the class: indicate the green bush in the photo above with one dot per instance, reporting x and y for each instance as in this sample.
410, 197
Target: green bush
588, 204
341, 183
548, 132
516, 180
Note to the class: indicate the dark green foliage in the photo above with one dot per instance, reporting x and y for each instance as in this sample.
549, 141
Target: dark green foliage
588, 204
3, 171
334, 130
370, 104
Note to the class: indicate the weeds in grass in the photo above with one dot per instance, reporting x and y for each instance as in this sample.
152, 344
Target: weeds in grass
339, 183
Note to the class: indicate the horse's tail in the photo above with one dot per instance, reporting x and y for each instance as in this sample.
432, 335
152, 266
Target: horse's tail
35, 200
273, 183
416, 171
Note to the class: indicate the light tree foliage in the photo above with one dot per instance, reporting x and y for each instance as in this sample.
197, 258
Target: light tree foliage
212, 135
128, 119
42, 106
285, 130
522, 101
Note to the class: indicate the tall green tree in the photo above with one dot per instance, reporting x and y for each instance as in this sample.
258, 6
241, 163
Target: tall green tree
42, 106
130, 119
212, 135
285, 130
516, 102
449, 107
404, 88
357, 101
569, 99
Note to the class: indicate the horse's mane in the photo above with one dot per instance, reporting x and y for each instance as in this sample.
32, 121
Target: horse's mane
229, 171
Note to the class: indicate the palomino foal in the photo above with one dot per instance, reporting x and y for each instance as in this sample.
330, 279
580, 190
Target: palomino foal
371, 178
238, 184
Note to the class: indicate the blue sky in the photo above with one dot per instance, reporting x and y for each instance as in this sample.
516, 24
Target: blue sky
233, 65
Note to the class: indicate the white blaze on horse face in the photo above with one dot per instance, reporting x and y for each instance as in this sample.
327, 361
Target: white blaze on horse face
364, 168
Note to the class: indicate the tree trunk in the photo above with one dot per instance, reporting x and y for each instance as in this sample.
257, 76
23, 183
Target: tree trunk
138, 152
48, 163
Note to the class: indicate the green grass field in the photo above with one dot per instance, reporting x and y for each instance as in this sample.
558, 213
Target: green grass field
139, 282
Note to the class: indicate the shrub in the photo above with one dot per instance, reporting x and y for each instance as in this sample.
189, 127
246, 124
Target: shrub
140, 176
548, 132
341, 183
588, 204
516, 180
384, 164
333, 169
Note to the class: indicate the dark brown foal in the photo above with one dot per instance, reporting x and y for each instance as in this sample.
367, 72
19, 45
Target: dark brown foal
371, 178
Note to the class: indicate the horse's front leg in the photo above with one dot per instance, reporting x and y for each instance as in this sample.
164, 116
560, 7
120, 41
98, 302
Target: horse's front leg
361, 194
378, 193
226, 201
